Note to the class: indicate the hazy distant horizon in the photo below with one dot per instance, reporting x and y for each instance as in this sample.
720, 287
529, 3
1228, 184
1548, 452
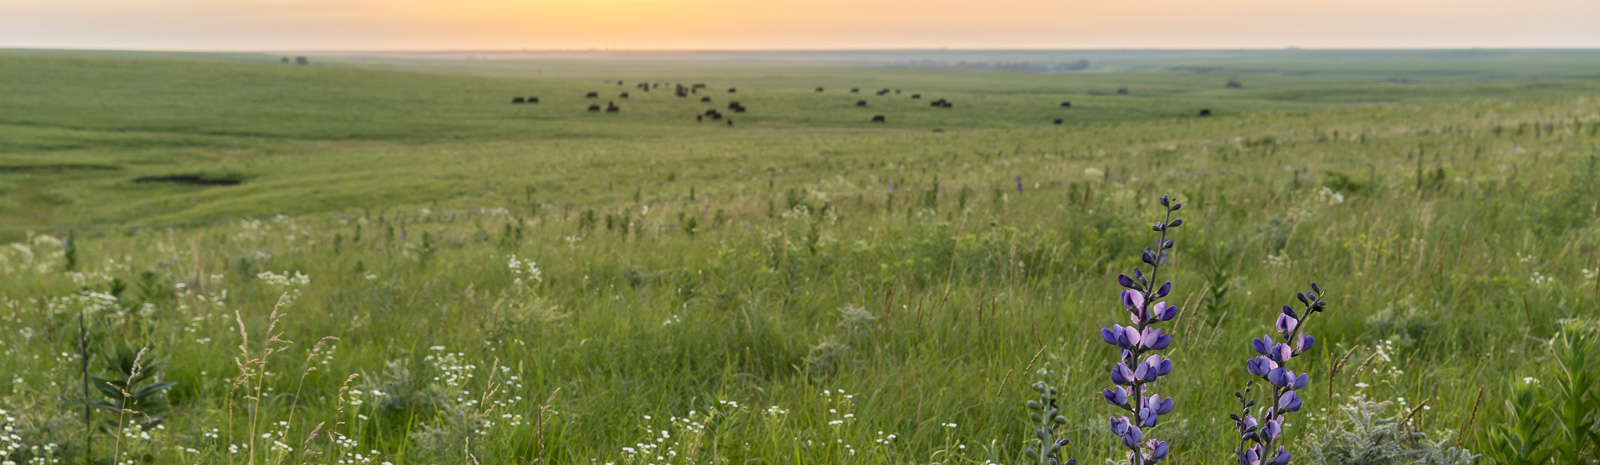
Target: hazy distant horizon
785, 25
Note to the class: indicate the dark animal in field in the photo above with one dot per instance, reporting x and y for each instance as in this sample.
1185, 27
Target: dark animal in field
937, 130
286, 60
1234, 84
301, 61
624, 95
533, 99
594, 108
705, 99
730, 122
612, 107
1205, 112
698, 118
878, 119
732, 90
855, 90
698, 86
1058, 120
819, 89
516, 100
941, 103
711, 112
883, 92
1066, 104
739, 110
733, 105
1123, 91
592, 95
861, 103
916, 96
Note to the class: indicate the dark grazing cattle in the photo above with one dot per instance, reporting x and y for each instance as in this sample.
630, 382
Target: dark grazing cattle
592, 95
937, 130
732, 90
711, 112
1234, 84
533, 99
878, 119
739, 110
819, 89
624, 95
941, 103
730, 122
698, 118
698, 86
705, 99
1058, 121
734, 105
1205, 112
1066, 104
916, 96
1123, 91
855, 90
883, 92
594, 108
861, 103
517, 100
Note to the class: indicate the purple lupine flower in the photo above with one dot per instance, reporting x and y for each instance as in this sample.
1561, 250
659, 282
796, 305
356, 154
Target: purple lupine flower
1132, 390
1261, 440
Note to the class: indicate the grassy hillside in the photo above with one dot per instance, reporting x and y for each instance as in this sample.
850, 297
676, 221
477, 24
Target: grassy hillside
804, 287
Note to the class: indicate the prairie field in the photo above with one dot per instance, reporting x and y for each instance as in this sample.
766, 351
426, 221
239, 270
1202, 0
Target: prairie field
224, 259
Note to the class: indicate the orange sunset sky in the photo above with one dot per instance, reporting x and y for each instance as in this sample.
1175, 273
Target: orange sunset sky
791, 24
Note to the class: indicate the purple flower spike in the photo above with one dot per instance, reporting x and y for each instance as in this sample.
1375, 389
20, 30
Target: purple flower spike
1140, 298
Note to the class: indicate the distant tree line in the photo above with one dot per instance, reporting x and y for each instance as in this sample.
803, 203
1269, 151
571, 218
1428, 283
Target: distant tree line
1014, 67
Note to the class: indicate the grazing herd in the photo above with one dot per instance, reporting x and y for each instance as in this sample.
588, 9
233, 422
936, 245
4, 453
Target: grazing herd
714, 115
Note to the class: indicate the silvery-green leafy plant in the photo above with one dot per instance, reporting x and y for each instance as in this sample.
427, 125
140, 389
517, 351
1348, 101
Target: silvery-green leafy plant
1137, 370
1046, 420
1261, 439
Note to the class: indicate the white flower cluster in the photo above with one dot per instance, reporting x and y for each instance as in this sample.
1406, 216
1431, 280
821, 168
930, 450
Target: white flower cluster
525, 270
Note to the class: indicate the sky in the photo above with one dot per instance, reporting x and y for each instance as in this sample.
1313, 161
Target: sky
280, 25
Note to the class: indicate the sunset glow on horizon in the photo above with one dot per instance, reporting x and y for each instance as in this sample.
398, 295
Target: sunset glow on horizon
789, 24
